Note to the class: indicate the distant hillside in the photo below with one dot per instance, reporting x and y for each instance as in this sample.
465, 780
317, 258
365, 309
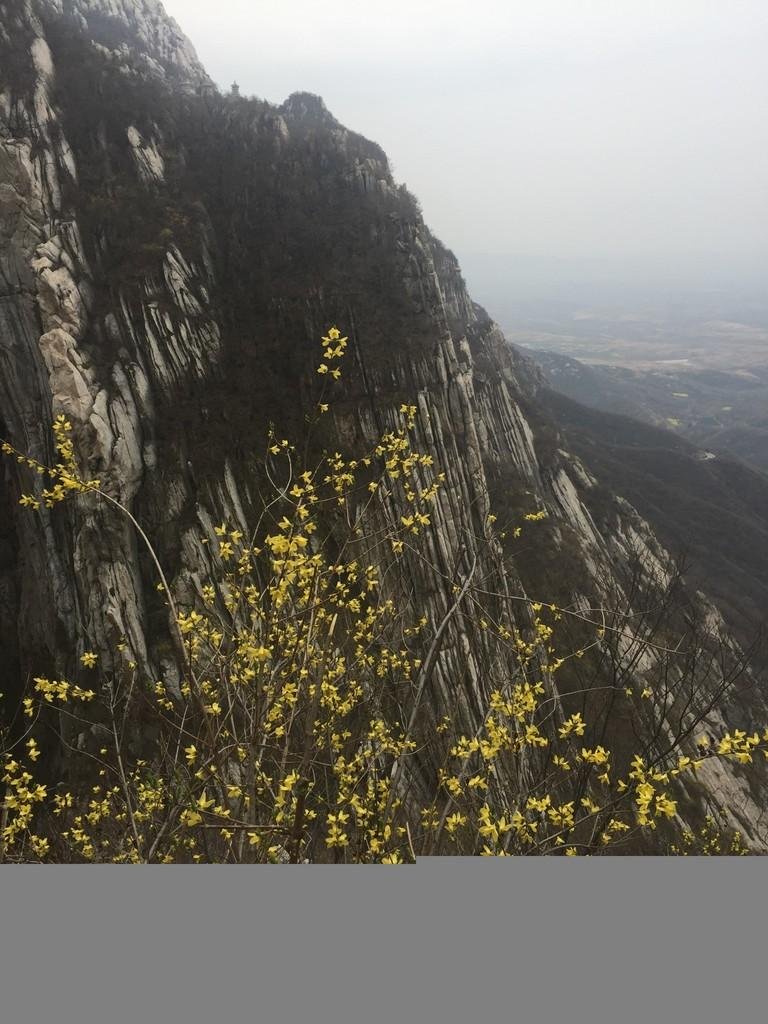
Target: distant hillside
724, 411
713, 508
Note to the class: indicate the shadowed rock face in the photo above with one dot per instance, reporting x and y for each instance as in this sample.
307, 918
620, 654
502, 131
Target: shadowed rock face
169, 258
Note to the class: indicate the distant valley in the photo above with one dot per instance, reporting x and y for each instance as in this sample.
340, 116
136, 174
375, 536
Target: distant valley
671, 411
705, 379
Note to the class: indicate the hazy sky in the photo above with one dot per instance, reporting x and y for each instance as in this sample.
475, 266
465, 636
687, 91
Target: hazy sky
624, 137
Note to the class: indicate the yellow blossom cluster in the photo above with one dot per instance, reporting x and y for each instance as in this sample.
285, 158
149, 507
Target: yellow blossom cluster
65, 475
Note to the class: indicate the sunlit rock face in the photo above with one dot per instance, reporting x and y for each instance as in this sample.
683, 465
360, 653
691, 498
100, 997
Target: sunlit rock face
169, 258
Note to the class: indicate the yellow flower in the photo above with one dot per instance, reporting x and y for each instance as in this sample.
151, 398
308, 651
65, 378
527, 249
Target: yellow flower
203, 802
665, 806
454, 822
574, 724
89, 659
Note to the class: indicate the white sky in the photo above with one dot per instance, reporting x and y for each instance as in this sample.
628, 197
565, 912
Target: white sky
617, 133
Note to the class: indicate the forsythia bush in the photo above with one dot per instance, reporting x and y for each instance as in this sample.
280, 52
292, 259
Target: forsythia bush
298, 720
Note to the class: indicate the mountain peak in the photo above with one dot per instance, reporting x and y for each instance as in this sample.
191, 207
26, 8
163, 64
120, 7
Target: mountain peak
308, 107
132, 29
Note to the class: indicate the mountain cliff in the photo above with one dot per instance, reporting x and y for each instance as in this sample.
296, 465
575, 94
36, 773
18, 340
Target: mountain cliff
168, 258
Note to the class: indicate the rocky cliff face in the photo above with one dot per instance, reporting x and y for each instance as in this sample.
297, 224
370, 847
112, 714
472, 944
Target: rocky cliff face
168, 258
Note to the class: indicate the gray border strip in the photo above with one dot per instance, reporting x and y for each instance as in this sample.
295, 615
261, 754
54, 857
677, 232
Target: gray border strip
618, 941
